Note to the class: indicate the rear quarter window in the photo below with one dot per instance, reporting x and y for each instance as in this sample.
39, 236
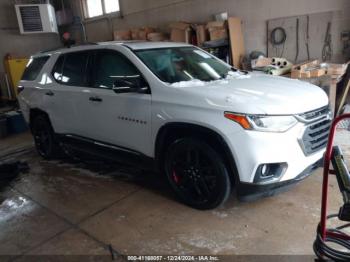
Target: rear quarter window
34, 68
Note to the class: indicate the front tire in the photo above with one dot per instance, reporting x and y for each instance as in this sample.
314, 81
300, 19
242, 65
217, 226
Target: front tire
44, 138
197, 174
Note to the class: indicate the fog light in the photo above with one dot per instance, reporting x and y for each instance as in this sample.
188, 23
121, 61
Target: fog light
264, 170
268, 173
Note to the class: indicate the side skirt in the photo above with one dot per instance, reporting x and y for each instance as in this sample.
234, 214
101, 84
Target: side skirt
107, 151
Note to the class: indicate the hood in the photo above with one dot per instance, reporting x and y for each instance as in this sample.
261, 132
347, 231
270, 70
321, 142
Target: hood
258, 93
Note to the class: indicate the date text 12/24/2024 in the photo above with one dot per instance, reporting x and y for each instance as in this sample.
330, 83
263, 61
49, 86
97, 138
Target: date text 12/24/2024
173, 258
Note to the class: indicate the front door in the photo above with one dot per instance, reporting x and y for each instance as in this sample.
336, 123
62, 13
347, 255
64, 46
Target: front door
123, 120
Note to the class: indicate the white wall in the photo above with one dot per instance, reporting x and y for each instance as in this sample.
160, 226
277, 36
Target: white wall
254, 13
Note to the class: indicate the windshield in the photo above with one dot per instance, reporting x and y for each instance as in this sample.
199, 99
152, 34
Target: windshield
183, 64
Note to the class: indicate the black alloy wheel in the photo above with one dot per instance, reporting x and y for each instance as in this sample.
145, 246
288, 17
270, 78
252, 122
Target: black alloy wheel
197, 174
44, 138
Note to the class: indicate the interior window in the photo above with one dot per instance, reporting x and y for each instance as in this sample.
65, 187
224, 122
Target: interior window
34, 67
93, 8
74, 71
109, 66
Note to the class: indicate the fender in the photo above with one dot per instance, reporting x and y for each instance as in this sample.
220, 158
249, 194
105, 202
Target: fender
170, 131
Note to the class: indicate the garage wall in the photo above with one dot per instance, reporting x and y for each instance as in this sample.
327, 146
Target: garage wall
18, 45
14, 43
254, 13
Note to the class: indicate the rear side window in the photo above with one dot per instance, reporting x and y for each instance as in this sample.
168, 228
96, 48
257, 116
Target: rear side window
71, 69
34, 67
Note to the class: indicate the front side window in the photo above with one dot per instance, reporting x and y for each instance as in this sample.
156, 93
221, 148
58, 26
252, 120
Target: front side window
179, 64
110, 66
34, 67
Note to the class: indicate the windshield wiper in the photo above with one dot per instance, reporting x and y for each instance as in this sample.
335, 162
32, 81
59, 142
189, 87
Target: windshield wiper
238, 70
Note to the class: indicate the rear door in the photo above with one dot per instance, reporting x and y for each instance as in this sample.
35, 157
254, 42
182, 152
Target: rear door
71, 78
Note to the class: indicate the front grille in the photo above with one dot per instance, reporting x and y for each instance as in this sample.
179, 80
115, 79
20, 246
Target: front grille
315, 115
315, 137
316, 133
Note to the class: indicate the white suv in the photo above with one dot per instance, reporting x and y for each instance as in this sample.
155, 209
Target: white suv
175, 107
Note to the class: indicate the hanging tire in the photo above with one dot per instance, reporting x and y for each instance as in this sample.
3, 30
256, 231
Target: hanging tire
44, 138
197, 174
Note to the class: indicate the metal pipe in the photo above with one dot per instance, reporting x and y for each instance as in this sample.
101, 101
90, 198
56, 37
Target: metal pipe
8, 86
327, 160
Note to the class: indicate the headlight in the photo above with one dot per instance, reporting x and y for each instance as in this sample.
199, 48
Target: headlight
263, 123
272, 123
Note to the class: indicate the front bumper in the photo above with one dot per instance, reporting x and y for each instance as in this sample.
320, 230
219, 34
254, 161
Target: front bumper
251, 149
250, 192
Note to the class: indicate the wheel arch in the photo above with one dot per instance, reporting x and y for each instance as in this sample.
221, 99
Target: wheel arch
173, 131
33, 112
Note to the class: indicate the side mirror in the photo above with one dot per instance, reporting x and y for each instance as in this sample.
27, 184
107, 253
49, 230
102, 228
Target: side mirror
130, 84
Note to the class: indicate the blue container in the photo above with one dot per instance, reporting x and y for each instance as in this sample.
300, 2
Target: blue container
16, 123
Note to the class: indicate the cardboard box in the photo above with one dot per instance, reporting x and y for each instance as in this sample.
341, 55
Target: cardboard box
308, 69
304, 66
217, 30
261, 62
202, 34
180, 25
295, 74
142, 35
306, 74
143, 32
156, 37
219, 24
317, 72
336, 69
135, 32
180, 32
236, 40
217, 34
121, 35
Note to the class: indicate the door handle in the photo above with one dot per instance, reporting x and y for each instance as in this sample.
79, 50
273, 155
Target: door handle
95, 99
50, 93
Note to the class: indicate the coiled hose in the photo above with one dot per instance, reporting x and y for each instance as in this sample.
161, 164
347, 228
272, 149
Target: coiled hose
324, 251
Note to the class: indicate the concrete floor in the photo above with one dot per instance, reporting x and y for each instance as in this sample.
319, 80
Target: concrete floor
63, 208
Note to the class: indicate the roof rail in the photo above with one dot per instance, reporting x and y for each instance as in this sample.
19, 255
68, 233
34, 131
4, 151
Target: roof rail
50, 50
87, 43
62, 47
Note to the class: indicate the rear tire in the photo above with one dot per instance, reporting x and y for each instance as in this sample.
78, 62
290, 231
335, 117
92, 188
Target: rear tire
197, 174
44, 138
